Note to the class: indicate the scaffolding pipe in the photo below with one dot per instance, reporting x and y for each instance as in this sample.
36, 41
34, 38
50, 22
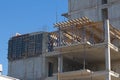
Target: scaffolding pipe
60, 65
107, 49
60, 57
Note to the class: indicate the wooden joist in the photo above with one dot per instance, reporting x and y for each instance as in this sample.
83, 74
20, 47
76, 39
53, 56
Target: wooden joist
72, 36
71, 27
80, 21
117, 36
115, 32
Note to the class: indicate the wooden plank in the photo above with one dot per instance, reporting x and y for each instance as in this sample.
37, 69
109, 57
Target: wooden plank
117, 36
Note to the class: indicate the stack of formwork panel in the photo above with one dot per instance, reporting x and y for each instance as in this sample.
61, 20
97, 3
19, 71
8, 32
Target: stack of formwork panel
15, 47
31, 46
38, 44
27, 45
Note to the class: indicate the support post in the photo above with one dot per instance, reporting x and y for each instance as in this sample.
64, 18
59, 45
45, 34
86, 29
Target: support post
60, 37
60, 57
60, 65
107, 49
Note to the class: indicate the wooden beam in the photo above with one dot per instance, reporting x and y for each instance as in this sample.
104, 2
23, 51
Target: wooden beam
115, 35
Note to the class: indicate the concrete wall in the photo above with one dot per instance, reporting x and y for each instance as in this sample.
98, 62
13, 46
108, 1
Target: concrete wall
54, 61
80, 8
35, 68
92, 9
26, 69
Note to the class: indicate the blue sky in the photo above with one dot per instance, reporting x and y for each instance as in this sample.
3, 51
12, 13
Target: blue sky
25, 16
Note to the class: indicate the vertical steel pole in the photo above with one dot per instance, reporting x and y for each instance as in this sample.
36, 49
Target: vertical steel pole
60, 57
107, 49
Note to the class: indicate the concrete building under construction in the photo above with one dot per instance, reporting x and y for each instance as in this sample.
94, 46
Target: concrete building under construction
85, 47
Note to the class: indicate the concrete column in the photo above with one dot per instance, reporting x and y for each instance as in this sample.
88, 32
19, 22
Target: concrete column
60, 63
107, 49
